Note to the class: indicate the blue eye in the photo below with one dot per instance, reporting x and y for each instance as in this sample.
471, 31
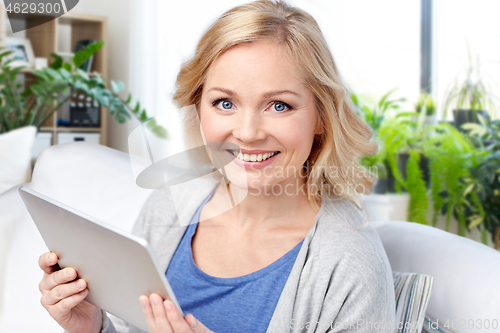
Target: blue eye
227, 105
279, 106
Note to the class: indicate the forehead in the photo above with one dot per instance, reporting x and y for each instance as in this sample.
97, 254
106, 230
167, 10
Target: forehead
263, 61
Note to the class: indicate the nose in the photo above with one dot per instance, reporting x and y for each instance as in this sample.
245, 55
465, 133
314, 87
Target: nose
249, 126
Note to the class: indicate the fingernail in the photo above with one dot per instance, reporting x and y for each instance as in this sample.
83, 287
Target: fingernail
154, 300
52, 258
79, 284
68, 273
193, 322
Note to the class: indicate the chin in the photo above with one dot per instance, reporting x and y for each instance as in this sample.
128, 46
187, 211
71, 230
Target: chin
251, 180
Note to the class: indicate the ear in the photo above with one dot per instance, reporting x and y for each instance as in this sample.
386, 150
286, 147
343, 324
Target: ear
319, 126
319, 129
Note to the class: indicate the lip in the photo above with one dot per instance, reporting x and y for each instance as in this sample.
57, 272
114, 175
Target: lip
253, 165
255, 151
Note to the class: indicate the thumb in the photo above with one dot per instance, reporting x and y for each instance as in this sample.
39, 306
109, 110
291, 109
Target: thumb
196, 325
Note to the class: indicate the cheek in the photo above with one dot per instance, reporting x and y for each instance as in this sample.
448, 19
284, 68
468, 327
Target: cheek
211, 127
299, 136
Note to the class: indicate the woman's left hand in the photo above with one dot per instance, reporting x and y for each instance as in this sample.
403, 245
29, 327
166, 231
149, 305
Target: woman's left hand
164, 317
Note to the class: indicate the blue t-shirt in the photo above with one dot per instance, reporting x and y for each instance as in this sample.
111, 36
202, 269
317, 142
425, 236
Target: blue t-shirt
227, 305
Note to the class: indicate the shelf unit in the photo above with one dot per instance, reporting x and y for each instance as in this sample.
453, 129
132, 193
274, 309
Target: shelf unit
47, 38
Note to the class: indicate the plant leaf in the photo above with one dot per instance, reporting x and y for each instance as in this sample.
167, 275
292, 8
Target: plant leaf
86, 53
58, 61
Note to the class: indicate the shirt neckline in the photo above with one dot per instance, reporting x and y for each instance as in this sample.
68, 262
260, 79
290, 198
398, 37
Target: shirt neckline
239, 279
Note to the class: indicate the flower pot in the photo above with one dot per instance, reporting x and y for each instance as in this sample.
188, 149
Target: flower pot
431, 120
467, 116
15, 157
387, 207
428, 120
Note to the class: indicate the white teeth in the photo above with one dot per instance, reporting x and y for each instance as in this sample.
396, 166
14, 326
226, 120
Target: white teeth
253, 157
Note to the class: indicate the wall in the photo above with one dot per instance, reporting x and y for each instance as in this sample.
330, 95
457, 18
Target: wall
118, 13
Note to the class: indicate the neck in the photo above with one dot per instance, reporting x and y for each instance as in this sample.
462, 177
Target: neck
283, 204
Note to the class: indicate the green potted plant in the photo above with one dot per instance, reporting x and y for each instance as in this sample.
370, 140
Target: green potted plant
54, 86
483, 194
483, 184
374, 115
399, 162
420, 157
470, 97
451, 155
402, 146
23, 111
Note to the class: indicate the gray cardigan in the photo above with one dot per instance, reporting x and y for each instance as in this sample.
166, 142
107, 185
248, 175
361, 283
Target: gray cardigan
341, 280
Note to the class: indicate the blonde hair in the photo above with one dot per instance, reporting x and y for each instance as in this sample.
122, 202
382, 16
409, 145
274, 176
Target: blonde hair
345, 136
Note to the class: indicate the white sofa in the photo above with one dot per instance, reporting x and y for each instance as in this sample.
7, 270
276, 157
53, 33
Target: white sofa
100, 181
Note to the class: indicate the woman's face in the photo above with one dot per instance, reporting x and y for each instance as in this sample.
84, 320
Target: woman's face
253, 97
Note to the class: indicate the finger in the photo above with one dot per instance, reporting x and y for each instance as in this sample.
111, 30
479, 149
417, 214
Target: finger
148, 312
196, 325
48, 262
62, 308
60, 277
63, 291
175, 318
162, 324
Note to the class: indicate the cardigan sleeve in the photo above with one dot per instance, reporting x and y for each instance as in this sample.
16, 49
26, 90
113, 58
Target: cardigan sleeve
367, 301
365, 309
108, 324
359, 295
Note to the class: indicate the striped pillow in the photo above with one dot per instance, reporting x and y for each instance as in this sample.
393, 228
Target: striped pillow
412, 292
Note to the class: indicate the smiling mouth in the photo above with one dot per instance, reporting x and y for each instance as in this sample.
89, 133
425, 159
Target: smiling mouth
253, 157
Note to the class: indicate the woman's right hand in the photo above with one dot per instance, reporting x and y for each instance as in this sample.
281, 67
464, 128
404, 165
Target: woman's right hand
63, 297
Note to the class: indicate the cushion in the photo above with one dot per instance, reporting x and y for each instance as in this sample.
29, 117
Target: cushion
15, 157
412, 293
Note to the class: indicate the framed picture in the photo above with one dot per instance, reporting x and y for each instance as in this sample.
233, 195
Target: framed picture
23, 52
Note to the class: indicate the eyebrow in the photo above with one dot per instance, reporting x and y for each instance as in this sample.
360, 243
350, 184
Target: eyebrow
265, 95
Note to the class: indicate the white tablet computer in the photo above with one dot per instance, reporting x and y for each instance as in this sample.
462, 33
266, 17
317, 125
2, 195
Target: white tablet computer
118, 266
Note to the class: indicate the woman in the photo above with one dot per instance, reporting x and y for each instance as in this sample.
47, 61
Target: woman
291, 252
